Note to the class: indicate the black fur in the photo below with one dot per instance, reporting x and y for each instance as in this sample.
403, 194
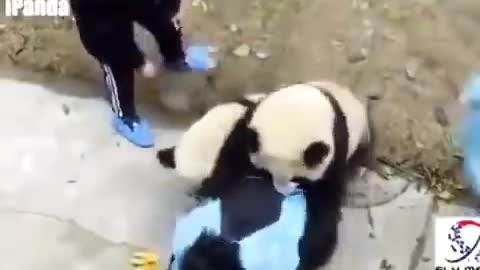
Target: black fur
364, 155
166, 157
249, 207
211, 252
252, 139
233, 163
315, 154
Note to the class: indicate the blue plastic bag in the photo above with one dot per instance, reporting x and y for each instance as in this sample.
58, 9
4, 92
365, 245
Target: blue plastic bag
472, 133
198, 58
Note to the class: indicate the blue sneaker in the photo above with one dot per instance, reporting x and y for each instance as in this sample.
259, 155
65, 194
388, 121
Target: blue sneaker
136, 131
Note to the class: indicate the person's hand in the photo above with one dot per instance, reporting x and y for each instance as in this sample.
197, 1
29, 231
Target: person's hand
148, 69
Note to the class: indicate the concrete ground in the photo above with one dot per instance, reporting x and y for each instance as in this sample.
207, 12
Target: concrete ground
75, 196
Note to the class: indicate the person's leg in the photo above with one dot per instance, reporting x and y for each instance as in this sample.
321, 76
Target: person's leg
109, 38
119, 81
158, 18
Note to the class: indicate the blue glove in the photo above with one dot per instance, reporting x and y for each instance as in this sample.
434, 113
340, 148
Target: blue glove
472, 133
198, 58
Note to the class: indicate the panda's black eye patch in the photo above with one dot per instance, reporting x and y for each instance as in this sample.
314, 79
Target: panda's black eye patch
315, 154
166, 157
252, 140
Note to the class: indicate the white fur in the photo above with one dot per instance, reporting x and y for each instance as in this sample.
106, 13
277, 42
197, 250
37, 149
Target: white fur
198, 149
290, 119
355, 111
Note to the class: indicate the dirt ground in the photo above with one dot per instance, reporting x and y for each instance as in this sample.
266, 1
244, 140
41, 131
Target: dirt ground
413, 55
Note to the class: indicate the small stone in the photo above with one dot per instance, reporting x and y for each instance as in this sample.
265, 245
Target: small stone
358, 56
65, 109
441, 116
71, 181
213, 49
364, 6
262, 54
2, 27
426, 259
337, 44
233, 28
242, 50
384, 265
368, 24
200, 3
411, 69
57, 21
445, 195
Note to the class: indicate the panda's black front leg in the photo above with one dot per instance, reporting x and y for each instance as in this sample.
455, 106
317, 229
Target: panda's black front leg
318, 243
319, 240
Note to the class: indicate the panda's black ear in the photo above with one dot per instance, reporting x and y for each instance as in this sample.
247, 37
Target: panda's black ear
252, 140
315, 154
166, 157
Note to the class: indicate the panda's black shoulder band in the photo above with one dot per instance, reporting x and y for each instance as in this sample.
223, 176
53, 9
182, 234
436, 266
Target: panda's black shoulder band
245, 102
250, 105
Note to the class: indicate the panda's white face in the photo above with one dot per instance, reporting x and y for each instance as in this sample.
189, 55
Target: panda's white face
282, 171
287, 123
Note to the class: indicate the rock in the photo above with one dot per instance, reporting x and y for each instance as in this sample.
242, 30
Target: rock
262, 54
65, 109
2, 27
233, 28
364, 6
358, 55
441, 116
385, 265
202, 4
242, 50
360, 44
445, 195
411, 68
213, 49
337, 44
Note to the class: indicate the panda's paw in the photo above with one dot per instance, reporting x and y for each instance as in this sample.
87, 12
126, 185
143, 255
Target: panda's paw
145, 261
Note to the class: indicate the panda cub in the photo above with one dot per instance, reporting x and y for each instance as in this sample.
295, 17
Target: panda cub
312, 135
213, 151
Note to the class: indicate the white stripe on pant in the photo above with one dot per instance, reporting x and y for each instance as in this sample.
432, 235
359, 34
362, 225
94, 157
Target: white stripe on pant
112, 87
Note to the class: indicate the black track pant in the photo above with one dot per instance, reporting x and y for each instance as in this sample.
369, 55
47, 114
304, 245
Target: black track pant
106, 33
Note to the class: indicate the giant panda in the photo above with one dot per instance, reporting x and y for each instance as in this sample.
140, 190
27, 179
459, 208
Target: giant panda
213, 151
313, 135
